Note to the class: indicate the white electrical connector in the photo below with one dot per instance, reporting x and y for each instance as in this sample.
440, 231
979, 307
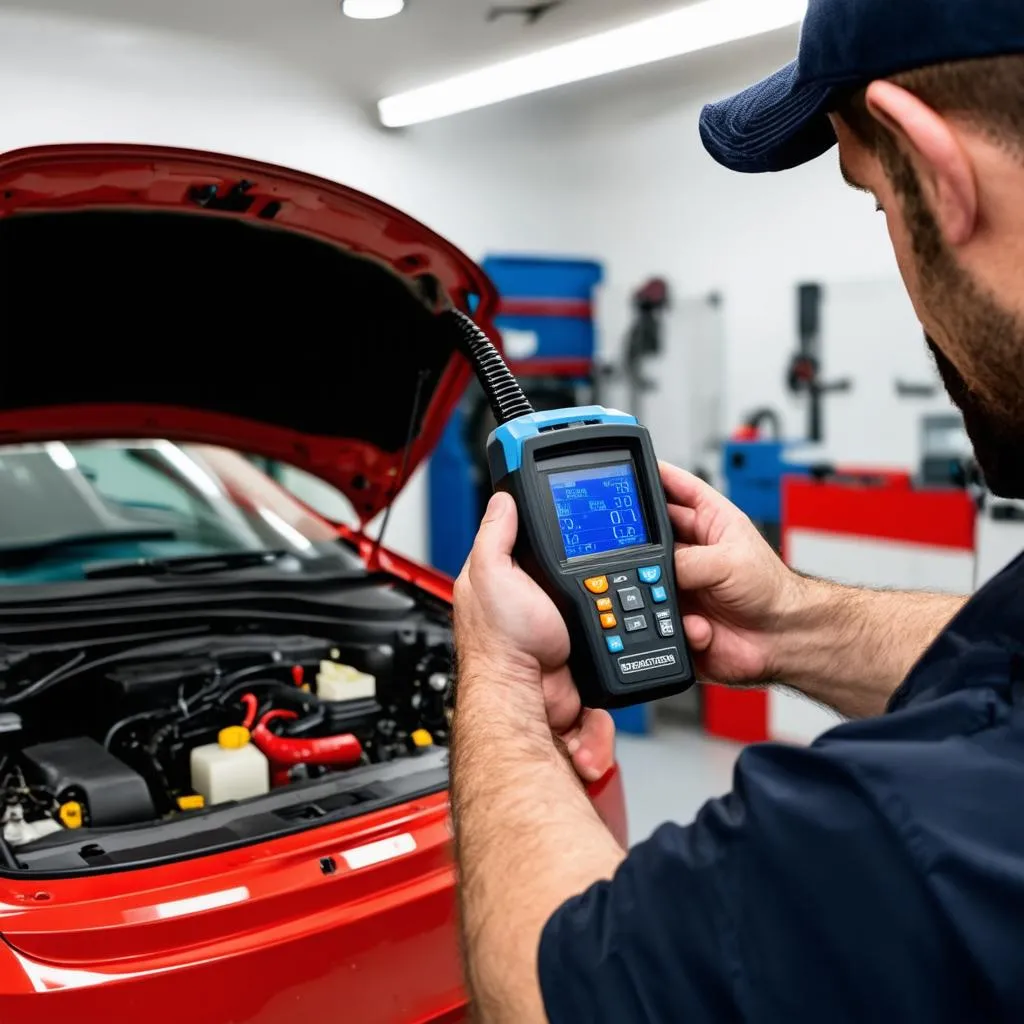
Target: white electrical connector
17, 831
343, 682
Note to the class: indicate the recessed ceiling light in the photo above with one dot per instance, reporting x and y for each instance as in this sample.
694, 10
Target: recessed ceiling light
698, 26
370, 10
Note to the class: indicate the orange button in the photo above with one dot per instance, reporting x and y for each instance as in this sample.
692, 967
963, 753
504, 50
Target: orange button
609, 621
597, 585
605, 604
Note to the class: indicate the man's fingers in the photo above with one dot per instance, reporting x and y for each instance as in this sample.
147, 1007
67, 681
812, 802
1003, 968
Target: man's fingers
562, 701
701, 568
684, 523
699, 632
592, 746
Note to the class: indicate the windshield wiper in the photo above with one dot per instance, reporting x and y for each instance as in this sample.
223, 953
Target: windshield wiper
190, 565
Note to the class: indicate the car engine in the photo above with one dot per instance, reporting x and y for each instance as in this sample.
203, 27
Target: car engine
124, 733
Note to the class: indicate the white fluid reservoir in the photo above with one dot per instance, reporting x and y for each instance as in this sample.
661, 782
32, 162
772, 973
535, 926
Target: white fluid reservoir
230, 769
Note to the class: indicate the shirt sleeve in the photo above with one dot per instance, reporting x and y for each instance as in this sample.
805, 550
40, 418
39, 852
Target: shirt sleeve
790, 899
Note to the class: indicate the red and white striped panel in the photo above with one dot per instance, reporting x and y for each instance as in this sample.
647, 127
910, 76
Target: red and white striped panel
889, 536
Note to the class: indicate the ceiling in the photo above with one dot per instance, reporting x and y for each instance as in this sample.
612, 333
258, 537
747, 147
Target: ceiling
366, 60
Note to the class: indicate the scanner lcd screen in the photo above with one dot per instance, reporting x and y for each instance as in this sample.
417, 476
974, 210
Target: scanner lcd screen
599, 509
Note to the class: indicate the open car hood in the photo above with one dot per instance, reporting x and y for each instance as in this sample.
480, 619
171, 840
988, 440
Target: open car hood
152, 292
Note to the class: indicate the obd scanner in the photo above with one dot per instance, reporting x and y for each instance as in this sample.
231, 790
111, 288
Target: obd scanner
594, 533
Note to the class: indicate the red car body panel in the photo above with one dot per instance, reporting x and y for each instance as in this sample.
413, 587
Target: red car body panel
156, 179
354, 921
281, 940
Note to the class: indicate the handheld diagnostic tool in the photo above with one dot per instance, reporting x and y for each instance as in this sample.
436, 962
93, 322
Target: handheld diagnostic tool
594, 533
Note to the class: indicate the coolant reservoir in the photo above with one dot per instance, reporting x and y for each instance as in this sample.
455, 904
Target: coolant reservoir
230, 769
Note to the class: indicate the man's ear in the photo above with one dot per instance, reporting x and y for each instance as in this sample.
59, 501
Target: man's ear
943, 166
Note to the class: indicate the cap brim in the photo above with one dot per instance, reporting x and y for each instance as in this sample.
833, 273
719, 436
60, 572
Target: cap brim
772, 126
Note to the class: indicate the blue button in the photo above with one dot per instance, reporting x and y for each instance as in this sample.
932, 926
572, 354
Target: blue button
651, 574
615, 644
659, 595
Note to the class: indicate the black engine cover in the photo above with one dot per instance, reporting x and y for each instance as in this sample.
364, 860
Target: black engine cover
81, 769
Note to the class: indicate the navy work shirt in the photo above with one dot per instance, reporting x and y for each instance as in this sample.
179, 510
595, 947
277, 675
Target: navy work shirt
877, 876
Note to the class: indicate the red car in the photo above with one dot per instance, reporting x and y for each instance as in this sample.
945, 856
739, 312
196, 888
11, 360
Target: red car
223, 720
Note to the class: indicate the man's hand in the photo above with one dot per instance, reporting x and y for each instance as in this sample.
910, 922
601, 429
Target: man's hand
509, 634
736, 593
751, 620
526, 834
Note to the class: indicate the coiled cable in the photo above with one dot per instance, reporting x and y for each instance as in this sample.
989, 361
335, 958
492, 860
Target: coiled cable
503, 392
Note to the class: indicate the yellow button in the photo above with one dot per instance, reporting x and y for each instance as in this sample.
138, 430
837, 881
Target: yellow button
605, 604
597, 584
192, 802
422, 739
609, 621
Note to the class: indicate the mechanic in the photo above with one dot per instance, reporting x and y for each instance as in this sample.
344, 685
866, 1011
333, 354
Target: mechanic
879, 874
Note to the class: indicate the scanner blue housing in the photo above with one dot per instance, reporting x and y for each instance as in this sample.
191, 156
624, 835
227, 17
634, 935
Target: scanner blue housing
505, 445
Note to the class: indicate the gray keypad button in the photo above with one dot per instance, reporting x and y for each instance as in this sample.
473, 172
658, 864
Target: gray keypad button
662, 615
665, 627
631, 599
634, 623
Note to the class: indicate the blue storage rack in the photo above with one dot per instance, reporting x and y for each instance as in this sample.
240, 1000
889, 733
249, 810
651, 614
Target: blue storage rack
552, 287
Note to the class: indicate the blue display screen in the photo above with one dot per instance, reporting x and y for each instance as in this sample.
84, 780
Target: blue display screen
598, 509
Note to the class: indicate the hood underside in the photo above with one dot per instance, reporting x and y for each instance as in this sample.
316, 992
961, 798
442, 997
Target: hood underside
150, 292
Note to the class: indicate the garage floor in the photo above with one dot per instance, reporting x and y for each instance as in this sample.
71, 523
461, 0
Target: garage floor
671, 774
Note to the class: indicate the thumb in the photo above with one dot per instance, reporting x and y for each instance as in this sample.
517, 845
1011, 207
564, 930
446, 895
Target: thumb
497, 536
701, 568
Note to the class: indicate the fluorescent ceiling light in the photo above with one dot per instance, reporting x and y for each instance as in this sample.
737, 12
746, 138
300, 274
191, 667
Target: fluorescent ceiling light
369, 10
697, 27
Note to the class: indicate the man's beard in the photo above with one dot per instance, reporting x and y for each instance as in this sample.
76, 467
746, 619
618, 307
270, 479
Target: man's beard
998, 441
989, 389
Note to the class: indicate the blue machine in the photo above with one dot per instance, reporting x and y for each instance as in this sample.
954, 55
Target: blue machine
754, 472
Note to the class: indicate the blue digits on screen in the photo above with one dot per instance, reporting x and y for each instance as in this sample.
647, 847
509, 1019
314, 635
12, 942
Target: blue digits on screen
598, 509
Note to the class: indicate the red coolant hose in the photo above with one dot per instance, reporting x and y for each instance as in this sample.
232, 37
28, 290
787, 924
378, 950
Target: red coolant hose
251, 707
284, 752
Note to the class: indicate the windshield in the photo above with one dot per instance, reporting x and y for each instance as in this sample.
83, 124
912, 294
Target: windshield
67, 508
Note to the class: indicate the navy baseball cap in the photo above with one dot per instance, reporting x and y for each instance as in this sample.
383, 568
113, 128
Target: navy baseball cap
845, 45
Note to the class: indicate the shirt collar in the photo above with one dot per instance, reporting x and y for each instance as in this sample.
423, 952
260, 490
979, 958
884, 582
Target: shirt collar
982, 646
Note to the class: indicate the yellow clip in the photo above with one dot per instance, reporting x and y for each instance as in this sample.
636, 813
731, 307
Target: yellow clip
193, 802
421, 738
71, 814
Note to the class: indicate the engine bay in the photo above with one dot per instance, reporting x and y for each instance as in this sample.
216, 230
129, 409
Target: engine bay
180, 718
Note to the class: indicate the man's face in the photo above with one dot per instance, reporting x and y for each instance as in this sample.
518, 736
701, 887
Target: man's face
977, 343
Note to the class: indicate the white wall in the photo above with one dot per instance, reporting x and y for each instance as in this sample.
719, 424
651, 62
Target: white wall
74, 80
655, 203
